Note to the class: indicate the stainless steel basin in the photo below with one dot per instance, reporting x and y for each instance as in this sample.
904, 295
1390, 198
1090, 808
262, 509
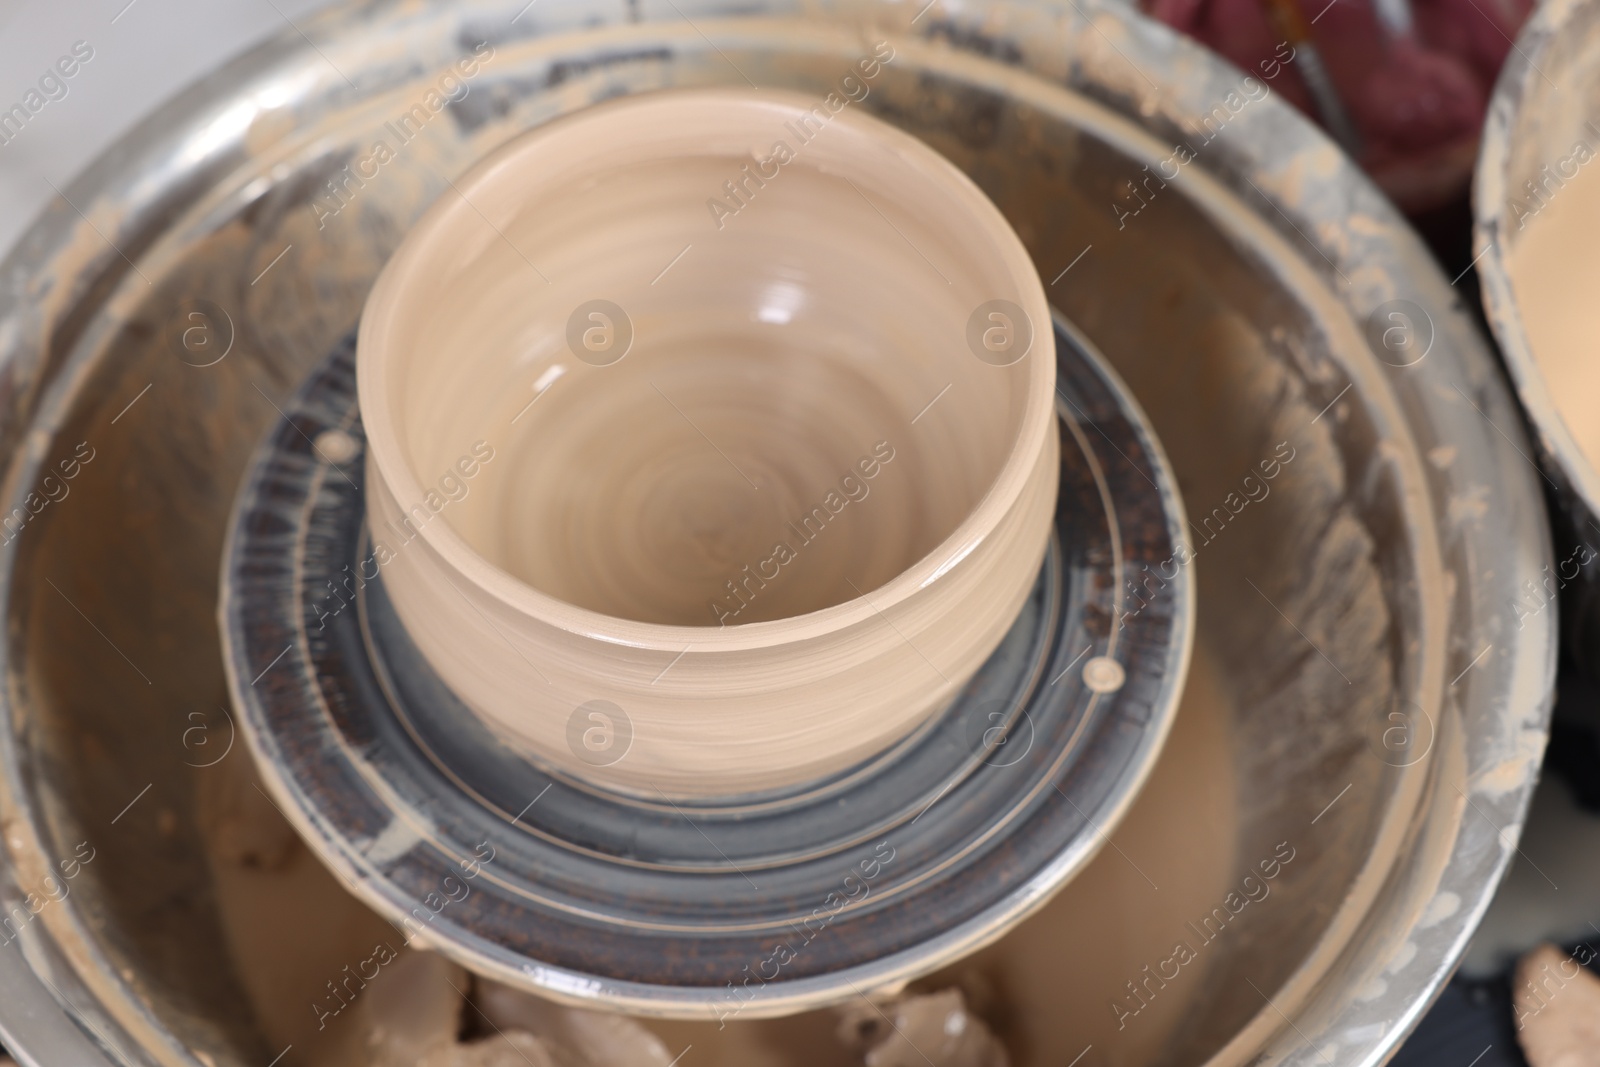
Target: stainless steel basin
1382, 713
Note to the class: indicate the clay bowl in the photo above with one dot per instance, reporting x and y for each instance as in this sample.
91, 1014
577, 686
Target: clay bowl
1539, 135
712, 443
1243, 305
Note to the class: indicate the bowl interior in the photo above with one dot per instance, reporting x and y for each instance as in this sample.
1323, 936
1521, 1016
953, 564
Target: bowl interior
702, 358
1541, 174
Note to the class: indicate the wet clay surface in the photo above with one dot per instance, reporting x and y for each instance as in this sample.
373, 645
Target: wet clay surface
1555, 267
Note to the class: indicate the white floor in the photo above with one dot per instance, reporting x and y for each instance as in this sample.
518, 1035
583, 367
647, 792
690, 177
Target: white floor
143, 52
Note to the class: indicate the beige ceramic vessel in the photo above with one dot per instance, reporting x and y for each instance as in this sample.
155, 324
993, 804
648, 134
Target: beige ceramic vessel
712, 438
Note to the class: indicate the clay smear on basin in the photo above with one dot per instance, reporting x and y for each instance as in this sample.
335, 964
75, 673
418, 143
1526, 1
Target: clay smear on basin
776, 468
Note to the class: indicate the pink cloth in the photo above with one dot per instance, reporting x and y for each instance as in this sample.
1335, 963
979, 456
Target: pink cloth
1416, 99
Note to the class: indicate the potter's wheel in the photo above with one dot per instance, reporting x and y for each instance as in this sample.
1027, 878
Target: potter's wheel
1236, 307
875, 874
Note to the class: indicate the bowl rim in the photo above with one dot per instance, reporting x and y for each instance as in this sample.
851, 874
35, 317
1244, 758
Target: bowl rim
1492, 238
399, 278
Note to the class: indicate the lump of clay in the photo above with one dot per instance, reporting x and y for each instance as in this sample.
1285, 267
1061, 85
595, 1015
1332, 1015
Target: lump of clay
574, 1037
299, 941
414, 1013
334, 981
1557, 1007
915, 1031
513, 1049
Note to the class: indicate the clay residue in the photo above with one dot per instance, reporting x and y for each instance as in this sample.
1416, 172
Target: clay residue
927, 1028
